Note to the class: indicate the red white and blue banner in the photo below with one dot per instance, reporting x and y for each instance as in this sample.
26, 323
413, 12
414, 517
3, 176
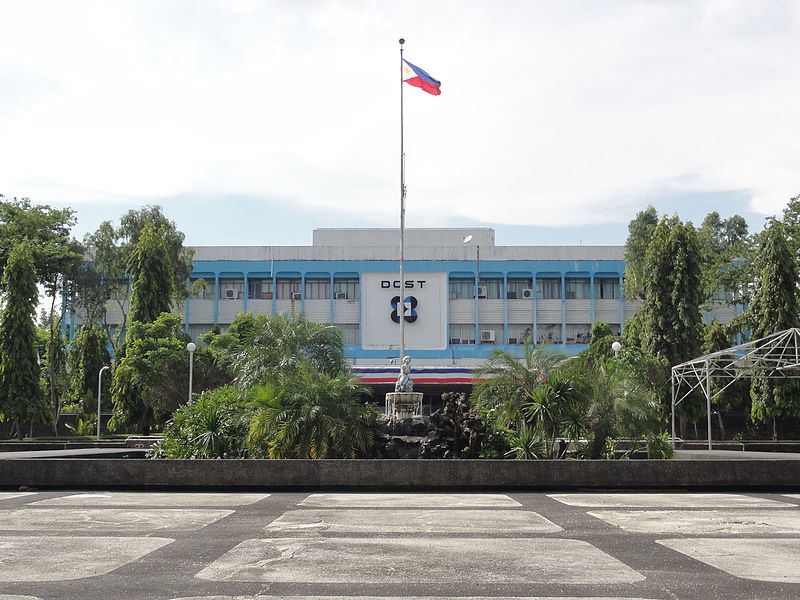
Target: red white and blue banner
415, 76
422, 376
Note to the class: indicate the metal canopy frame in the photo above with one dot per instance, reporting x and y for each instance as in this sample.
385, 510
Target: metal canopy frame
776, 356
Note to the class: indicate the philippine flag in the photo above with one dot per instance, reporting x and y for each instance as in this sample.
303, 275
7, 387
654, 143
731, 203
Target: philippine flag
415, 76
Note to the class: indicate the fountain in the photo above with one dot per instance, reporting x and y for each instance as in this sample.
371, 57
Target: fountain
404, 402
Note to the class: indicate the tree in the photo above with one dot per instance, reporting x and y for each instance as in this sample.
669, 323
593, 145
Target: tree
151, 380
53, 348
717, 337
87, 355
640, 230
150, 269
314, 414
47, 229
268, 348
775, 307
726, 253
20, 394
507, 383
105, 275
671, 311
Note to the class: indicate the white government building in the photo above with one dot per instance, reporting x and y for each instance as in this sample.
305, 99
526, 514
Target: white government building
467, 298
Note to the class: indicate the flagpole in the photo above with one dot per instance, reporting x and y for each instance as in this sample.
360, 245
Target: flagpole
401, 307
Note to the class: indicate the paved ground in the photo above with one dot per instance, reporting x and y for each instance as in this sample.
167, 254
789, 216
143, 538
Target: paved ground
99, 545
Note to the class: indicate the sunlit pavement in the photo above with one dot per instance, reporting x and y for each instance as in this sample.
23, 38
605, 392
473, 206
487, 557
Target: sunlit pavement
94, 545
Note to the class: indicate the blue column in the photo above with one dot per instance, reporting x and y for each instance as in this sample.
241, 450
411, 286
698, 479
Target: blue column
477, 313
621, 307
563, 308
505, 308
246, 290
333, 294
302, 292
535, 328
591, 293
216, 298
274, 292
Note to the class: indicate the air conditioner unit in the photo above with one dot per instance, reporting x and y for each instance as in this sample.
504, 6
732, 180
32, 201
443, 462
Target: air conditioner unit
481, 291
340, 295
487, 335
512, 341
527, 293
230, 294
296, 296
455, 341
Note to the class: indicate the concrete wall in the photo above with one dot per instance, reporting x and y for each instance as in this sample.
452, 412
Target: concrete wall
402, 474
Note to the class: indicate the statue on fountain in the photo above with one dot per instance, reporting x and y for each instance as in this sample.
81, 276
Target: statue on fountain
404, 383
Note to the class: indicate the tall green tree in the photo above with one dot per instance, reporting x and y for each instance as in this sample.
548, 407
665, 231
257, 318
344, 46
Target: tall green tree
640, 230
671, 311
54, 251
105, 276
726, 251
20, 394
775, 307
151, 275
151, 379
716, 337
87, 355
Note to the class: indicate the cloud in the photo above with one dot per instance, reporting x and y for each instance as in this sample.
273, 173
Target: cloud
560, 114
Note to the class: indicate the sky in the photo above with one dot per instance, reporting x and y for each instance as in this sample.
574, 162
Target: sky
253, 122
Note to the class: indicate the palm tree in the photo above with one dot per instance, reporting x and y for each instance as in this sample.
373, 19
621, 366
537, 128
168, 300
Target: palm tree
507, 382
557, 410
619, 407
273, 347
313, 414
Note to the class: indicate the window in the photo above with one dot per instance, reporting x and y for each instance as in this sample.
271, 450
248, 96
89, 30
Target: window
231, 289
548, 289
351, 334
578, 333
202, 289
549, 333
606, 289
494, 288
518, 333
259, 289
346, 287
462, 333
318, 289
577, 289
516, 288
287, 287
462, 289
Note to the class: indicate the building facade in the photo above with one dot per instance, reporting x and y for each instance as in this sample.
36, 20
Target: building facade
463, 299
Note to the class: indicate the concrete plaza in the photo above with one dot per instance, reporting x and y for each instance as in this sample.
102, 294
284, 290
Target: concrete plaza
241, 546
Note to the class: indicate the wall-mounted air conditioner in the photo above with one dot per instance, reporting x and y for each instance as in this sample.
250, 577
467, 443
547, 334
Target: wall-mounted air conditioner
481, 291
340, 295
487, 335
455, 341
230, 294
512, 341
527, 293
296, 296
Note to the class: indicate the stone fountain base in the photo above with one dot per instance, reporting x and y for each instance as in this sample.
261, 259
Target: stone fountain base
403, 405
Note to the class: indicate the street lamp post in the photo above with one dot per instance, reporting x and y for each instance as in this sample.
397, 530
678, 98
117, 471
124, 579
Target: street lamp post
99, 396
190, 347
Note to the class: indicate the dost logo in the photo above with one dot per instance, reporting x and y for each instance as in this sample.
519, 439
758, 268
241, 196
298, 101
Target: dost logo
410, 309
